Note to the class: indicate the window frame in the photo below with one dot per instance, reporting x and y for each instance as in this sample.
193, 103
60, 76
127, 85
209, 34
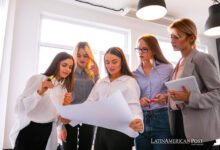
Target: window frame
123, 31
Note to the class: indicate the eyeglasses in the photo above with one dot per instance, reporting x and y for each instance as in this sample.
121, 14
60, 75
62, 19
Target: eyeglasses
175, 37
143, 50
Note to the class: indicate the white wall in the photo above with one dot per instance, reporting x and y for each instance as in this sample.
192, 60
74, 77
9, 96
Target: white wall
6, 47
24, 56
212, 47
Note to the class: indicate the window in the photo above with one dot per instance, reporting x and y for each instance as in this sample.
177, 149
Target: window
59, 35
174, 56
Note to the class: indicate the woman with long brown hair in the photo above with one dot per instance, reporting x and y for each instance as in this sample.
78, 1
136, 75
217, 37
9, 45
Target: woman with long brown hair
119, 78
37, 117
151, 75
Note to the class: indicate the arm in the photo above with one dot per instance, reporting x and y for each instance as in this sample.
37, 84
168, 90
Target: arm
132, 96
210, 77
61, 130
67, 98
161, 97
28, 100
62, 134
95, 69
145, 102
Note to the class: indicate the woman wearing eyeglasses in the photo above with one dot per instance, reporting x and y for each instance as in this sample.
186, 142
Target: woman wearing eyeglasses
151, 75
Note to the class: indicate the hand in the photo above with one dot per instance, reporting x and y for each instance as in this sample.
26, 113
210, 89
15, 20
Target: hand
161, 99
136, 125
62, 134
179, 95
63, 120
67, 98
145, 102
44, 86
94, 68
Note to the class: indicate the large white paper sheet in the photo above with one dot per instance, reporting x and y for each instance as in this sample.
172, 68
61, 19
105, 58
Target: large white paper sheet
112, 113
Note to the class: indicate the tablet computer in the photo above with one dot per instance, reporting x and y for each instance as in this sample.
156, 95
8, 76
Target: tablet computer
189, 82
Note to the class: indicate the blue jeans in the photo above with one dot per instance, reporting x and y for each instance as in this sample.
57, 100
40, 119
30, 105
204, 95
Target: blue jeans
156, 126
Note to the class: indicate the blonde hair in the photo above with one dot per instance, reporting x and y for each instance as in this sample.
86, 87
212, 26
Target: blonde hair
186, 26
86, 47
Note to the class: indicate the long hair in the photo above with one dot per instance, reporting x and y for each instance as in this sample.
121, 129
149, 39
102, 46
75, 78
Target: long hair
154, 46
86, 47
124, 65
54, 69
186, 26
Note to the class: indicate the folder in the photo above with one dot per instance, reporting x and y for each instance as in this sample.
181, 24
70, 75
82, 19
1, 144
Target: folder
189, 82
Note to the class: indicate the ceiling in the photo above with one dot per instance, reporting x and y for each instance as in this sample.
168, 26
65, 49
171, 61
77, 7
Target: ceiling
197, 10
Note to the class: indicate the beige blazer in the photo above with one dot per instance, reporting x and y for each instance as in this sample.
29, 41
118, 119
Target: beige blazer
201, 116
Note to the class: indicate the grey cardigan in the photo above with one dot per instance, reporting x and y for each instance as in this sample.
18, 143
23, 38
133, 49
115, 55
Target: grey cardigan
201, 116
83, 85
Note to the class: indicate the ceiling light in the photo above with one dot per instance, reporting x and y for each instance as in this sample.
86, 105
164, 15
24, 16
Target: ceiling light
212, 26
151, 9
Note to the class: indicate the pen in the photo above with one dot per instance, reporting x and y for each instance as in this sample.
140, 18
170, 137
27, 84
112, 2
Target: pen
153, 100
50, 78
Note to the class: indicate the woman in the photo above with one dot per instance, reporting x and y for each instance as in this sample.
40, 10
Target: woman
85, 76
151, 75
35, 127
119, 78
198, 116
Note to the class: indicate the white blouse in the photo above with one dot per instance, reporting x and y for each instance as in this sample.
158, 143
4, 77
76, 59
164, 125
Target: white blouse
128, 87
30, 106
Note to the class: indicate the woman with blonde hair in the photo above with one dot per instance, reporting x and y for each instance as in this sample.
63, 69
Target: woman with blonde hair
197, 117
88, 63
151, 75
86, 74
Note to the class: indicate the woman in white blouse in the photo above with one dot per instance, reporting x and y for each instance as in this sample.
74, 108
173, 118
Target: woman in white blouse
35, 128
119, 78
